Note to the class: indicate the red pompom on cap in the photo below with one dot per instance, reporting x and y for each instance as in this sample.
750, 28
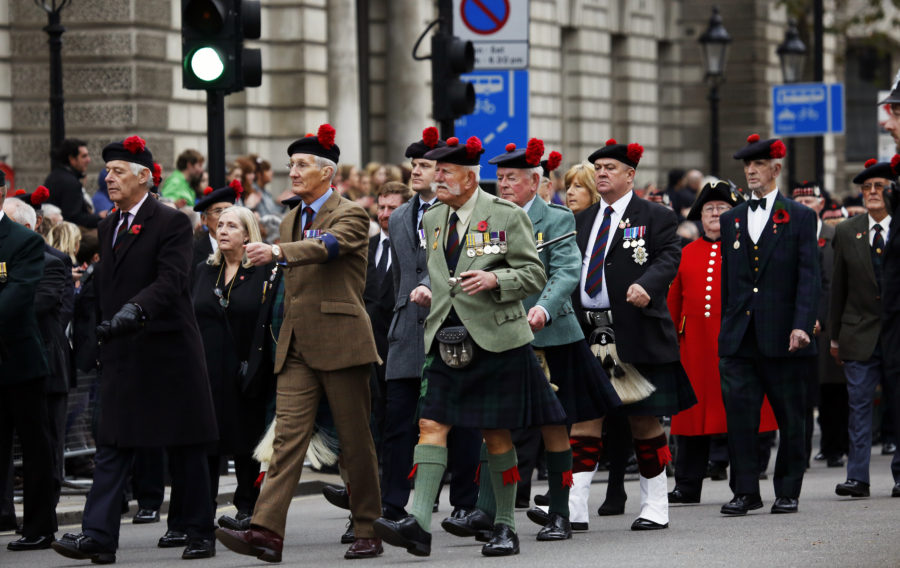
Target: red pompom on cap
870, 162
534, 151
554, 161
20, 192
207, 191
473, 146
430, 136
40, 195
777, 150
752, 138
634, 152
237, 187
611, 142
134, 144
453, 141
510, 147
157, 173
895, 164
326, 136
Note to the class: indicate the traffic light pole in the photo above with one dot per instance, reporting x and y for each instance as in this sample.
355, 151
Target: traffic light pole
215, 137
445, 15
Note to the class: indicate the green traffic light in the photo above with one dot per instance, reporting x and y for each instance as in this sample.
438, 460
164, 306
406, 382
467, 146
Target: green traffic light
206, 64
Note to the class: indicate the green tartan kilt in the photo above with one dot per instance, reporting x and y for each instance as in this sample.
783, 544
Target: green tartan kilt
673, 394
495, 391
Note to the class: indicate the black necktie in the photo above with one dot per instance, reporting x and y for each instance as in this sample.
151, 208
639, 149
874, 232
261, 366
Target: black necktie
120, 232
385, 256
754, 203
422, 209
877, 253
452, 251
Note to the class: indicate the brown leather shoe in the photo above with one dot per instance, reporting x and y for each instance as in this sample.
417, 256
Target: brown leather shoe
257, 541
364, 548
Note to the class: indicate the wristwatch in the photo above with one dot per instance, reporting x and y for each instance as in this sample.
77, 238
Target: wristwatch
276, 252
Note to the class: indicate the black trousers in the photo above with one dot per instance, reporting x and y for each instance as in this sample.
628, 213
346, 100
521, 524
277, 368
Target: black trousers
148, 477
528, 448
246, 470
401, 433
693, 454
833, 419
56, 430
190, 508
23, 409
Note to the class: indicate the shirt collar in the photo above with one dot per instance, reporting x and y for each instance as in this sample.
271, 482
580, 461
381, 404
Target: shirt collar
885, 223
134, 210
465, 212
317, 204
383, 236
527, 206
619, 206
768, 200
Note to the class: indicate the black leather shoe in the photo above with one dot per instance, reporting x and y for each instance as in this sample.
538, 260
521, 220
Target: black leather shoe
642, 524
395, 514
337, 496
888, 449
679, 496
895, 492
835, 461
239, 522
852, 488
199, 548
467, 523
557, 528
784, 505
31, 543
349, 535
538, 516
145, 516
612, 507
717, 472
405, 534
172, 539
82, 547
504, 542
820, 457
522, 503
741, 504
542, 500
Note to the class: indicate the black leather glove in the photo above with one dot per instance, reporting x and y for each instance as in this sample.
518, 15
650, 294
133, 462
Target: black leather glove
127, 320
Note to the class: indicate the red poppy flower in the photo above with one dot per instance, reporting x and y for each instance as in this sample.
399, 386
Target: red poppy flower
135, 230
780, 216
482, 226
821, 243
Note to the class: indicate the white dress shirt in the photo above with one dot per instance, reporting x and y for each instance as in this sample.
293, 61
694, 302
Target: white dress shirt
382, 250
601, 300
756, 220
885, 223
132, 213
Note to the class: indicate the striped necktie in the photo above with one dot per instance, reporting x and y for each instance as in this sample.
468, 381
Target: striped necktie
310, 214
120, 232
422, 209
451, 253
594, 280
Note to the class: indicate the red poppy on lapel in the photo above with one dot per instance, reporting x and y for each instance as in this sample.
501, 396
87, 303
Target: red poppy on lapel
821, 243
780, 216
135, 230
482, 226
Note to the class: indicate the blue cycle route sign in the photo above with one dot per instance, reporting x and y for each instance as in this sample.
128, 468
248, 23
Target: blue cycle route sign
808, 109
501, 114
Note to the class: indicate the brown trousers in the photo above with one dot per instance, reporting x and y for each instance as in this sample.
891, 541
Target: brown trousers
299, 390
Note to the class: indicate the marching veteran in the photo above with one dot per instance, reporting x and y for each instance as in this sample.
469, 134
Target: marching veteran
480, 370
324, 246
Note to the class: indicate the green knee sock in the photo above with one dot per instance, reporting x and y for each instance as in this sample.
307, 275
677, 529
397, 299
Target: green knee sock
430, 462
504, 494
485, 486
558, 465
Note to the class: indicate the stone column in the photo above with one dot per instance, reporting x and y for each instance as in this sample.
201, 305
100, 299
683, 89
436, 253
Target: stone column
343, 74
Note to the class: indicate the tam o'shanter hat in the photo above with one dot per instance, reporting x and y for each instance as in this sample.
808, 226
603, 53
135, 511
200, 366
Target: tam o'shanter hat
133, 149
757, 149
320, 144
230, 193
468, 154
876, 169
629, 154
430, 140
36, 198
521, 158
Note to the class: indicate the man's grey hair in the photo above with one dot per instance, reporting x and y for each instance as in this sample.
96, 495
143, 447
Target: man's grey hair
324, 162
272, 224
476, 169
136, 169
21, 212
52, 212
536, 171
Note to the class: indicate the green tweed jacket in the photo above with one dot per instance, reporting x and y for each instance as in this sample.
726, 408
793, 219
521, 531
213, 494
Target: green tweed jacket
496, 319
562, 263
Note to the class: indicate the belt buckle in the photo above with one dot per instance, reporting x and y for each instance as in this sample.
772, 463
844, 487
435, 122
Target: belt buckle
599, 318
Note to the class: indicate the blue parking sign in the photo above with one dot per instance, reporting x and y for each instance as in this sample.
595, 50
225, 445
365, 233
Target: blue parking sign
808, 109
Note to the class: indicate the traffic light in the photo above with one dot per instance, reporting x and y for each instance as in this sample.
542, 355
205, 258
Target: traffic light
212, 44
451, 97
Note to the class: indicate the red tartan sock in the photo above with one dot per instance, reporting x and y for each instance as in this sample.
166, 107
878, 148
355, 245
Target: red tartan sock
585, 451
652, 455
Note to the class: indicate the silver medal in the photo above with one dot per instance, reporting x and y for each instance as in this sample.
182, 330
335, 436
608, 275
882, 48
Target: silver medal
626, 244
470, 253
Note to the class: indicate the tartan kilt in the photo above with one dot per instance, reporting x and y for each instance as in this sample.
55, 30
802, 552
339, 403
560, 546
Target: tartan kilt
584, 388
503, 390
674, 392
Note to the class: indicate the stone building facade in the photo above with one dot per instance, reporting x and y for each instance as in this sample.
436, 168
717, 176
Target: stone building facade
628, 69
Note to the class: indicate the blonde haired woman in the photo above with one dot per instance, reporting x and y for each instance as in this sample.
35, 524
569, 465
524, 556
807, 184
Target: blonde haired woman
581, 189
65, 237
230, 301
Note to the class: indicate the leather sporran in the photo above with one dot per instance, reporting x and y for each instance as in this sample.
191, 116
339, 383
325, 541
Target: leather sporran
455, 346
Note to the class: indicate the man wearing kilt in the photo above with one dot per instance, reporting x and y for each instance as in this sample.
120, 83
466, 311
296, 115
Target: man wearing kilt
770, 292
480, 370
630, 254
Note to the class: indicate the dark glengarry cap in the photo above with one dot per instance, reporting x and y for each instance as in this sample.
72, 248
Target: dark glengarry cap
523, 158
133, 149
629, 154
716, 191
876, 169
757, 149
230, 193
35, 198
320, 144
894, 97
430, 140
806, 189
468, 154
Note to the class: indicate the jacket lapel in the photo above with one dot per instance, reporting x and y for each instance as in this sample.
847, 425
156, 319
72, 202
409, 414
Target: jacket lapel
143, 215
536, 214
289, 226
480, 213
634, 220
583, 224
412, 225
862, 247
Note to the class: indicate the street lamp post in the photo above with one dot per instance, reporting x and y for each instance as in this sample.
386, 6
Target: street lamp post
792, 54
714, 47
55, 31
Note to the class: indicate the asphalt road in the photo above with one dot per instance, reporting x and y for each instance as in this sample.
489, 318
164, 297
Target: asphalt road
828, 531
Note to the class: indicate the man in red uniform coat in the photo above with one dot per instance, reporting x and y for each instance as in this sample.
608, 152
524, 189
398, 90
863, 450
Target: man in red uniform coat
695, 302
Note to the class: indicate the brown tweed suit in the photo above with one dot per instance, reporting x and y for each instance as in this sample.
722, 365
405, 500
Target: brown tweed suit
325, 347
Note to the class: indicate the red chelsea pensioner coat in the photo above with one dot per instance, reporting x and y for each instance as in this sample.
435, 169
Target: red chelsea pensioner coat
695, 302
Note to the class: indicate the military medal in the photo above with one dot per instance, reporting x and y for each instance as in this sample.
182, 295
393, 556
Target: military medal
421, 238
540, 240
3, 276
312, 233
503, 246
479, 244
632, 237
626, 244
737, 233
495, 242
470, 245
737, 245
452, 281
640, 255
437, 231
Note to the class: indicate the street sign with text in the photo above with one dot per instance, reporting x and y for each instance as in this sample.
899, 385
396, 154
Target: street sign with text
498, 28
808, 109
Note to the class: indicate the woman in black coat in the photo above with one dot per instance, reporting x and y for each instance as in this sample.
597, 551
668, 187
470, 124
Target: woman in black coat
231, 297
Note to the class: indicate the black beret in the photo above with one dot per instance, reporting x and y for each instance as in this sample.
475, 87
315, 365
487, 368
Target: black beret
430, 140
894, 97
875, 169
230, 193
468, 154
133, 149
521, 158
320, 144
757, 149
717, 191
629, 154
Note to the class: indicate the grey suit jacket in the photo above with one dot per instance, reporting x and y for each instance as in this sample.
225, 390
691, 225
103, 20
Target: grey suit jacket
406, 343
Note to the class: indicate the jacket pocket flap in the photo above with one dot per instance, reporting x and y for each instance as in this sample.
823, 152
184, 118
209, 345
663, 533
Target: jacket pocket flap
346, 308
509, 314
